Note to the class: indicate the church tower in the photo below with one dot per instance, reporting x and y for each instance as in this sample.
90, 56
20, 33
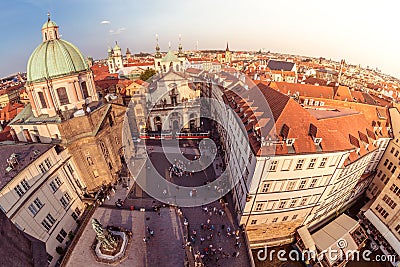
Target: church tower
157, 56
228, 54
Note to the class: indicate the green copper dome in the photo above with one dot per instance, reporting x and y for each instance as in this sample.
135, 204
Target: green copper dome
54, 58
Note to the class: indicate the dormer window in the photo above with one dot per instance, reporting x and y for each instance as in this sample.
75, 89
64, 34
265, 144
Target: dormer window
290, 141
317, 141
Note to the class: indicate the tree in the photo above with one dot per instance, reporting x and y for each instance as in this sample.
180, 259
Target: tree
147, 74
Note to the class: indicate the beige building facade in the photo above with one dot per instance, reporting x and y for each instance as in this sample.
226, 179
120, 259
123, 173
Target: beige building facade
41, 191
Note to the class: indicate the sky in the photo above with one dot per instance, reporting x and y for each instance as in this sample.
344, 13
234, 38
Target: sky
361, 32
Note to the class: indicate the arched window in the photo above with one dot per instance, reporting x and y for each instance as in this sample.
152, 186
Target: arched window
42, 99
84, 90
45, 36
62, 96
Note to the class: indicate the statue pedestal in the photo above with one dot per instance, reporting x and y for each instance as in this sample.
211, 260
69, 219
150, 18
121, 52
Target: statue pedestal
113, 256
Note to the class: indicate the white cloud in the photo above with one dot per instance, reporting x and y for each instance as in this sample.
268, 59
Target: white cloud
105, 22
117, 31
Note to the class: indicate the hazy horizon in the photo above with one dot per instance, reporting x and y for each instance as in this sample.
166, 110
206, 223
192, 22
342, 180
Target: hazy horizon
361, 33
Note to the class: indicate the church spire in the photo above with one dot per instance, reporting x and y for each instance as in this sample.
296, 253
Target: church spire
227, 47
158, 54
180, 49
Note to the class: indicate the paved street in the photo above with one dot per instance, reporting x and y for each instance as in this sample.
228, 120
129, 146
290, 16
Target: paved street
219, 248
216, 232
164, 249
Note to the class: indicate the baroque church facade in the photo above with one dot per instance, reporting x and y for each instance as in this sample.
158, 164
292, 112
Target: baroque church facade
65, 109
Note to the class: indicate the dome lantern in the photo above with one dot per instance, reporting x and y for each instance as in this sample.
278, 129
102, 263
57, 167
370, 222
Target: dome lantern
49, 30
54, 57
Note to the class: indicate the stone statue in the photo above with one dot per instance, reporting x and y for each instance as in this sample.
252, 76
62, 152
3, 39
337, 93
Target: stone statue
104, 236
59, 113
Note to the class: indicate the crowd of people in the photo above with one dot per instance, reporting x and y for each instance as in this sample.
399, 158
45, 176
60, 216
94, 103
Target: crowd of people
179, 169
213, 241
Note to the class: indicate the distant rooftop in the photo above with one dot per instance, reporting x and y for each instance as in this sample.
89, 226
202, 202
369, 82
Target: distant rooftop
14, 158
280, 65
329, 112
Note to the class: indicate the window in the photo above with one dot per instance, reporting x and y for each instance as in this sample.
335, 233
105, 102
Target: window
46, 225
50, 219
67, 196
63, 233
303, 184
84, 90
291, 185
285, 218
397, 228
293, 203
265, 187
32, 208
42, 100
73, 215
394, 169
78, 211
392, 150
20, 192
294, 217
390, 165
259, 206
58, 181
49, 258
313, 183
42, 168
323, 162
69, 167
60, 238
275, 219
38, 203
382, 211
386, 162
62, 96
48, 163
273, 165
25, 184
312, 163
53, 186
389, 201
395, 189
303, 201
253, 221
299, 164
65, 200
379, 173
89, 160
397, 153
282, 204
95, 173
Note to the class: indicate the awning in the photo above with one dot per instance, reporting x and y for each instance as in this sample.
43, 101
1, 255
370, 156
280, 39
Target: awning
384, 230
336, 236
307, 239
